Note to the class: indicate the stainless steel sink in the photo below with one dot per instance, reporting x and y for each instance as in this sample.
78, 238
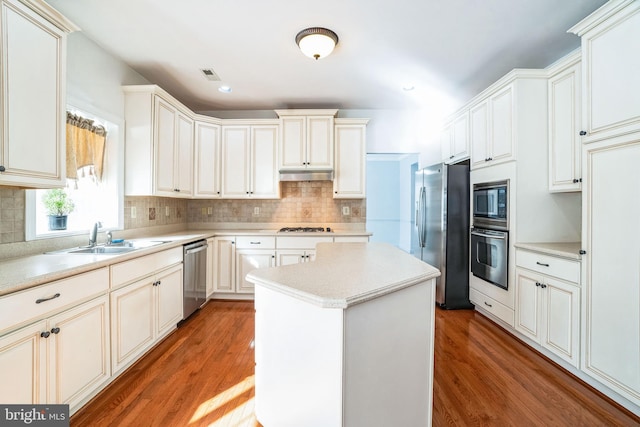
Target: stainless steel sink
119, 248
103, 250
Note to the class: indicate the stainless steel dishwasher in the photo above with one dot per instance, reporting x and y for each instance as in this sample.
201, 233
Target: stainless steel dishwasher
195, 276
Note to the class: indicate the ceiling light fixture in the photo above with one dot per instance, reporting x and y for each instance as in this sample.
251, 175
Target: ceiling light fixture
224, 89
316, 42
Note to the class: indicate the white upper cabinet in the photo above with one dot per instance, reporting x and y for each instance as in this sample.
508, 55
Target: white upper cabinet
350, 164
159, 144
564, 88
32, 123
306, 140
491, 129
207, 183
249, 161
455, 139
611, 69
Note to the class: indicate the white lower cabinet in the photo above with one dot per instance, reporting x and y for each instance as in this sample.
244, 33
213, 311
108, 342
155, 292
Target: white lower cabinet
63, 359
248, 260
142, 313
295, 256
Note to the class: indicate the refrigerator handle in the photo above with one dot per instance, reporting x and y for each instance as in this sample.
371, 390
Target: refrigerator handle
423, 219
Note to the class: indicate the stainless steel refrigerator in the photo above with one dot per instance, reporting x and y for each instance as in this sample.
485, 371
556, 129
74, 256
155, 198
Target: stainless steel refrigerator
441, 229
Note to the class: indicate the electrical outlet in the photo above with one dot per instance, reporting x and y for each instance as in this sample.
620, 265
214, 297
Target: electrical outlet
204, 211
133, 212
166, 210
256, 211
209, 210
346, 211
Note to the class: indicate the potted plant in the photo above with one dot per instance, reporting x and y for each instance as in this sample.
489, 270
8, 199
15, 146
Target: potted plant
58, 205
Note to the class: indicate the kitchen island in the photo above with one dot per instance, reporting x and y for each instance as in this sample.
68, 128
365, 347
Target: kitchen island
346, 340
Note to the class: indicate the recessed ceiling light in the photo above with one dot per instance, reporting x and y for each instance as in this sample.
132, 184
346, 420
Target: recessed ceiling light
408, 88
225, 89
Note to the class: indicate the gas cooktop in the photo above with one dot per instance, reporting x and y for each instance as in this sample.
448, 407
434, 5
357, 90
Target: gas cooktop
304, 230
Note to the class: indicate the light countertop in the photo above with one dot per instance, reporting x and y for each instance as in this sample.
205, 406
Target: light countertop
24, 272
569, 250
345, 274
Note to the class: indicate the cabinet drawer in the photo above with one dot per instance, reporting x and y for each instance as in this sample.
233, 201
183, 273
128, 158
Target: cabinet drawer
21, 307
553, 266
492, 306
128, 271
302, 242
255, 242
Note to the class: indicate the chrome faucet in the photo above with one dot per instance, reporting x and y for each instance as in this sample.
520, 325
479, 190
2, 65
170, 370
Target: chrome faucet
93, 233
109, 238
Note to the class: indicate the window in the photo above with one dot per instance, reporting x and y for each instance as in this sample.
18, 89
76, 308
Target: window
93, 199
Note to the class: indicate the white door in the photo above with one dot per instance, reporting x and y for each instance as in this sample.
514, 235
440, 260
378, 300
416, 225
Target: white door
264, 162
79, 343
207, 161
132, 323
460, 137
248, 260
319, 142
184, 156
501, 125
168, 299
528, 304
236, 161
224, 264
350, 153
611, 208
560, 333
165, 136
23, 365
478, 134
294, 137
290, 256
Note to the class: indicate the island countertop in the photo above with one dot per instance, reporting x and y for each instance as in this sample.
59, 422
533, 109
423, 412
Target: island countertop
345, 274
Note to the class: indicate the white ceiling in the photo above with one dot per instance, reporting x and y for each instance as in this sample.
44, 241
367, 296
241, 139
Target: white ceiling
448, 49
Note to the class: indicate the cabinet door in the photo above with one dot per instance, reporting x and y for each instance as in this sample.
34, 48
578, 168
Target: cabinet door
460, 138
561, 319
210, 265
611, 64
350, 164
611, 319
23, 369
248, 260
264, 159
224, 264
184, 156
168, 299
132, 322
33, 99
501, 125
528, 304
293, 151
207, 161
445, 143
165, 137
290, 256
478, 134
564, 129
235, 161
80, 348
320, 142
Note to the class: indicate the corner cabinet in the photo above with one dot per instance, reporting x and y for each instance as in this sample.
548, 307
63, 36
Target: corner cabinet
350, 159
306, 139
455, 139
249, 161
491, 129
159, 144
564, 86
32, 140
610, 46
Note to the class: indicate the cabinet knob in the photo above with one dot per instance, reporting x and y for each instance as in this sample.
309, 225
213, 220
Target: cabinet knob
159, 282
218, 192
451, 157
537, 284
542, 285
45, 334
2, 168
575, 180
55, 330
583, 133
582, 252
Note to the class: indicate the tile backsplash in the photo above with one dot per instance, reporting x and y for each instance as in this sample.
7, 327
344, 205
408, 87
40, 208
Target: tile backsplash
300, 202
11, 214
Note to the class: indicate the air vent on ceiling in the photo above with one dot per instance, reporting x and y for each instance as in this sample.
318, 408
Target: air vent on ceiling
209, 74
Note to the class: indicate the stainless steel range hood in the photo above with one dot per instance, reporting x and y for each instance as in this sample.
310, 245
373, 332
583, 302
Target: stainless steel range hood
306, 175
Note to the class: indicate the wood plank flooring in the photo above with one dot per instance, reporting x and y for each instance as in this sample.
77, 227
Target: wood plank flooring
202, 375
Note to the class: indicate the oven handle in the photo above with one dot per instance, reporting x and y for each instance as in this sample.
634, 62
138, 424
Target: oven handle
489, 236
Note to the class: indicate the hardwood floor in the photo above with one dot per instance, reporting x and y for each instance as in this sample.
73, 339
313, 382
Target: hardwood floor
202, 375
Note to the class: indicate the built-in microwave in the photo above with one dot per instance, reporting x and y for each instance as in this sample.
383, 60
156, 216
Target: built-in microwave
491, 205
